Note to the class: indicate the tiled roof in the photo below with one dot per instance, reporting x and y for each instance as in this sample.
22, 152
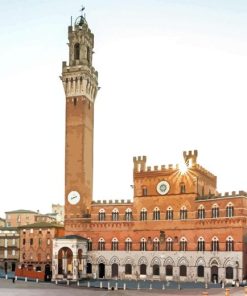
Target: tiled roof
21, 211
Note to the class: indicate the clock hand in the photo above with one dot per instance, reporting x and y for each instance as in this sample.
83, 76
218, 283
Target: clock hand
73, 197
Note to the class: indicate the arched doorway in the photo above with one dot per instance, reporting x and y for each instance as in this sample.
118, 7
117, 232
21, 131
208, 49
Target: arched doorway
48, 273
114, 270
13, 266
101, 270
214, 274
65, 257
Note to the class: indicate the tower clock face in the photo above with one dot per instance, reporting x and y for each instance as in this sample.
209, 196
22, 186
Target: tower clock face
163, 187
73, 197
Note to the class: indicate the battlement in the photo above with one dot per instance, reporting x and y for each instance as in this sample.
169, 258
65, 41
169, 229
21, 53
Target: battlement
190, 157
204, 171
111, 201
223, 195
139, 163
162, 168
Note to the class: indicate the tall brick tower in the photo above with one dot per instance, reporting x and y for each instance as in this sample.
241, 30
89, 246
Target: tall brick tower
80, 81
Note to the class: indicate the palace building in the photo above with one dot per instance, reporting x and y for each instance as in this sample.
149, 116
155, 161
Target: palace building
178, 227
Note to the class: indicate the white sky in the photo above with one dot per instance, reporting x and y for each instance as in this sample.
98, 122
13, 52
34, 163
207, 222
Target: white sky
172, 76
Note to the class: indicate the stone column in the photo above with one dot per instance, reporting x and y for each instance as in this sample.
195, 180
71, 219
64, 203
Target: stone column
75, 267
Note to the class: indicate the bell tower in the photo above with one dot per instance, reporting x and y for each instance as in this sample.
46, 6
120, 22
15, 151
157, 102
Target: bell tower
80, 81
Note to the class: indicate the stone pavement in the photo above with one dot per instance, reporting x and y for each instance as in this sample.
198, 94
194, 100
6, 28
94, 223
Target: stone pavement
21, 288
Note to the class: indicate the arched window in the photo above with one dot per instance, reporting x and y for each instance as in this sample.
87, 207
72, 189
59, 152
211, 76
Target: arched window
229, 210
143, 269
77, 51
156, 269
169, 213
101, 244
182, 188
89, 267
201, 212
169, 244
201, 244
128, 215
144, 191
229, 244
200, 271
183, 244
143, 215
128, 269
229, 272
128, 244
215, 211
156, 214
101, 215
156, 244
143, 244
215, 244
169, 270
89, 244
115, 215
114, 244
183, 270
183, 213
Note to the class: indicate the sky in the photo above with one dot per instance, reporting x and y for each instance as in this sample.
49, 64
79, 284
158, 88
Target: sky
172, 75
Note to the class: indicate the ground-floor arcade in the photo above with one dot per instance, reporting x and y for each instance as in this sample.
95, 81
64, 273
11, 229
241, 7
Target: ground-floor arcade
178, 266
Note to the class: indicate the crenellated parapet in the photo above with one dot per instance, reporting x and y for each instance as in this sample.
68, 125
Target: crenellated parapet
223, 195
140, 163
203, 171
110, 201
190, 157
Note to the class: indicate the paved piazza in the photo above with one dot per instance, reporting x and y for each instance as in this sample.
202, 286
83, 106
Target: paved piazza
20, 288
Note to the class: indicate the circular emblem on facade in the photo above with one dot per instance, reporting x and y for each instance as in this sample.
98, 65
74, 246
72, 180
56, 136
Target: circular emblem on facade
163, 187
73, 197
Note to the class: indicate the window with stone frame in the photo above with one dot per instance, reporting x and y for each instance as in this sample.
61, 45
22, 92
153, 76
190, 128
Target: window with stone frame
143, 244
128, 244
169, 244
101, 215
115, 215
156, 213
215, 244
169, 213
201, 212
229, 244
183, 213
101, 244
183, 244
229, 210
215, 211
114, 244
143, 215
156, 244
128, 215
201, 244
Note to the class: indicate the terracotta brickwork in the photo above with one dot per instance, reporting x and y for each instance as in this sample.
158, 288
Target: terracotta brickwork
36, 243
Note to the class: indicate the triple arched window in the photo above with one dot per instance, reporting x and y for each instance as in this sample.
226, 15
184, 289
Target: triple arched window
128, 244
229, 244
114, 244
101, 215
156, 244
169, 244
183, 244
156, 214
215, 244
128, 215
229, 210
143, 244
169, 213
143, 214
183, 213
215, 211
201, 244
201, 212
101, 244
115, 215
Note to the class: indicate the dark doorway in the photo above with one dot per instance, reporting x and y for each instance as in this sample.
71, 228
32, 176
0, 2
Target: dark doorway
214, 274
101, 270
6, 267
114, 270
143, 269
13, 266
48, 273
89, 267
